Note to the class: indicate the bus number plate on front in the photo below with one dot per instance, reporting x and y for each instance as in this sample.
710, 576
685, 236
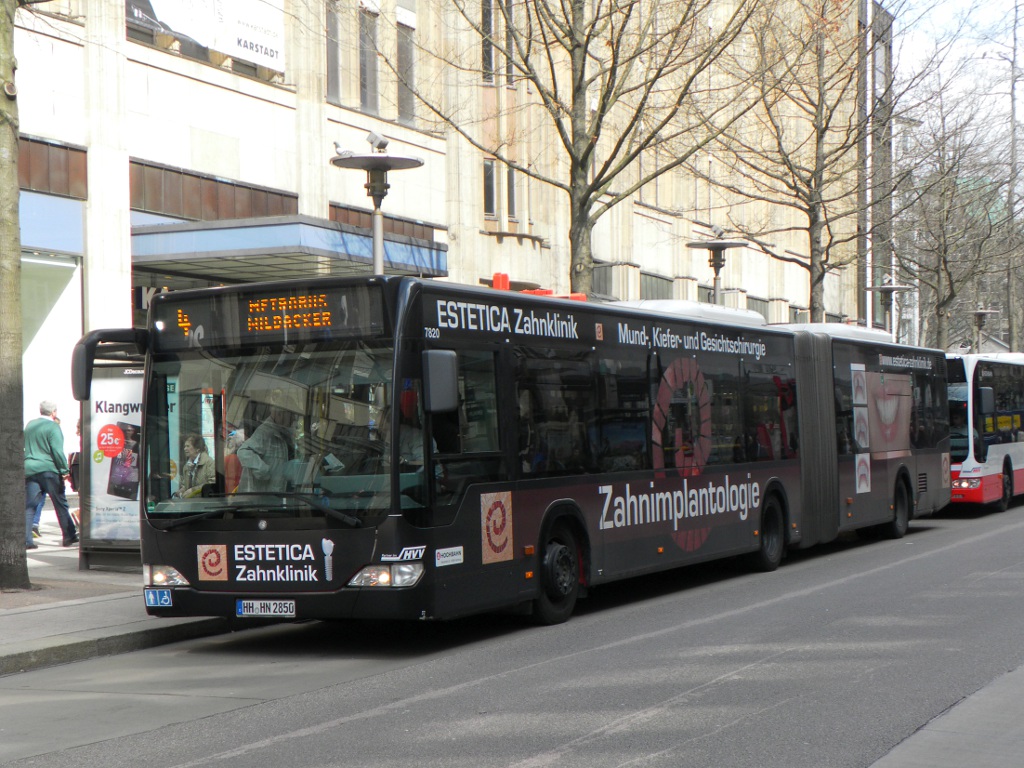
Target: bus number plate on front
281, 608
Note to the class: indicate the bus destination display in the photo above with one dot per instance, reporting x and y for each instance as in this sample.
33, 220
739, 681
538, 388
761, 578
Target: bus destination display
277, 313
248, 317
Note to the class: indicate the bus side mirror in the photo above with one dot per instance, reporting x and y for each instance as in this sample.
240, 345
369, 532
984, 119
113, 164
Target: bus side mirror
987, 399
82, 358
124, 344
440, 380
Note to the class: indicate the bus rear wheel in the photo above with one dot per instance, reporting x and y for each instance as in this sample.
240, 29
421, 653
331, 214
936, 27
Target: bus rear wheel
897, 527
773, 537
559, 576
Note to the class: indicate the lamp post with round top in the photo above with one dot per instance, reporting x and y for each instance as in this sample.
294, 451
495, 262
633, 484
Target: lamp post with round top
716, 259
376, 164
887, 290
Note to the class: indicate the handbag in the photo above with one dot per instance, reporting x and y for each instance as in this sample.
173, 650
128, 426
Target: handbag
73, 470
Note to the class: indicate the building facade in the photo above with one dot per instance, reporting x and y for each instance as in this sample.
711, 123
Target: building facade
166, 145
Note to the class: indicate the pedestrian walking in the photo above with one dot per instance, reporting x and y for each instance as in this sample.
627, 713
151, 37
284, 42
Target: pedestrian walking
46, 468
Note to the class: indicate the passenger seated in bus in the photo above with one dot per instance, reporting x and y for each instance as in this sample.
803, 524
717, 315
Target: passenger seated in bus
198, 469
264, 456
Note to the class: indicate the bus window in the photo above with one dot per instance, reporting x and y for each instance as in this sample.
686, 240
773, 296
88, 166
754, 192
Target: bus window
618, 432
556, 407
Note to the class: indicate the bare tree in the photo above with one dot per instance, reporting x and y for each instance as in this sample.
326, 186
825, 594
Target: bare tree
815, 155
607, 95
956, 215
13, 566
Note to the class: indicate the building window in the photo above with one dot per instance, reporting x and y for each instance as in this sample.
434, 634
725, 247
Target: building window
406, 74
486, 34
511, 193
758, 305
368, 94
655, 286
705, 294
244, 67
490, 189
601, 282
333, 55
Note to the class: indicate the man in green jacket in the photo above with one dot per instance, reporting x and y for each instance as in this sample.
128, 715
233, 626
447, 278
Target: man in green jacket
46, 467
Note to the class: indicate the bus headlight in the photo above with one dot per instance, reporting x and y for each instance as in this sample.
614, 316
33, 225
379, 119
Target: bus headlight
393, 575
972, 482
162, 576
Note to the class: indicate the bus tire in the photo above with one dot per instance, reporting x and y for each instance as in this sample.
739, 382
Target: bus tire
772, 537
1007, 495
559, 576
897, 527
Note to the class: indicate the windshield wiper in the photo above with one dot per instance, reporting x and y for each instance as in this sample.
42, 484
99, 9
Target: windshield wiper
313, 501
193, 518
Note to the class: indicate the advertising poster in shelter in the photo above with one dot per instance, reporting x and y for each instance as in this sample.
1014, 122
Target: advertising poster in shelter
113, 457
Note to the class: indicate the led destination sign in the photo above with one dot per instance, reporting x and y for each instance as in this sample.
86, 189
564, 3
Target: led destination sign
245, 317
280, 312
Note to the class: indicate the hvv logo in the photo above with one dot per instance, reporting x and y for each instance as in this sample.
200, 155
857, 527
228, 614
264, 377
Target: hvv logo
409, 553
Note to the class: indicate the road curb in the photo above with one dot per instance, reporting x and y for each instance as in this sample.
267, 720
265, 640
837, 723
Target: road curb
79, 646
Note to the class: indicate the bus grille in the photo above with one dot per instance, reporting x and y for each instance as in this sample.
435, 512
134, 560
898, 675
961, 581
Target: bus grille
922, 483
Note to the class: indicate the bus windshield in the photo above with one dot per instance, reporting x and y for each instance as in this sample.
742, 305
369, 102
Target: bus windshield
287, 430
959, 436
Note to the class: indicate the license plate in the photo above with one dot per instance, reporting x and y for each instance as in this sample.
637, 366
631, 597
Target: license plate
271, 608
157, 598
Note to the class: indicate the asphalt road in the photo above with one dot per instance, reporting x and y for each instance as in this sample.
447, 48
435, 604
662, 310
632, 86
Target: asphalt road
830, 661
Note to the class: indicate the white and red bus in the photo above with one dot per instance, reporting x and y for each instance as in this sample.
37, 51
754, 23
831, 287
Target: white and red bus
986, 403
423, 450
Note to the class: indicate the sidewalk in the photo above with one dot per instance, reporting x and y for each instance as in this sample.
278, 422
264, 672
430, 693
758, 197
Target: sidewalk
984, 730
71, 615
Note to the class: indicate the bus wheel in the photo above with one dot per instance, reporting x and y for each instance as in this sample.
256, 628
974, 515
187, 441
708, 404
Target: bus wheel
897, 528
560, 577
773, 537
1004, 500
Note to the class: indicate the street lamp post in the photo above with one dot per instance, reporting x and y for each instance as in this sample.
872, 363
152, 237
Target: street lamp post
376, 164
887, 290
979, 322
716, 259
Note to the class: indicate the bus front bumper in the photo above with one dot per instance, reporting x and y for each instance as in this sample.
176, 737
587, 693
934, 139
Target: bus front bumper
348, 603
976, 490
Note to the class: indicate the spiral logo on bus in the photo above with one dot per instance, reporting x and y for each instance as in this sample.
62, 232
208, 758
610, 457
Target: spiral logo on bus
681, 432
496, 527
213, 562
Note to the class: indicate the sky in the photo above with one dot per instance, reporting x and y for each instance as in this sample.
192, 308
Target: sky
985, 26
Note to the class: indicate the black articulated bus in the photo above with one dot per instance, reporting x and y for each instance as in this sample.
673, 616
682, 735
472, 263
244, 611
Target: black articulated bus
389, 447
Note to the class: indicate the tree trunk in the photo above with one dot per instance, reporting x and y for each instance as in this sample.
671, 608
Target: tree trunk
581, 275
815, 231
13, 566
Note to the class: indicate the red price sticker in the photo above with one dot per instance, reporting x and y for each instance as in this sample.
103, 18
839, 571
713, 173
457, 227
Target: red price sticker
110, 440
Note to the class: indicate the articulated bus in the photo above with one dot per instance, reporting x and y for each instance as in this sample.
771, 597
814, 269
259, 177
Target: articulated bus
390, 447
986, 403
